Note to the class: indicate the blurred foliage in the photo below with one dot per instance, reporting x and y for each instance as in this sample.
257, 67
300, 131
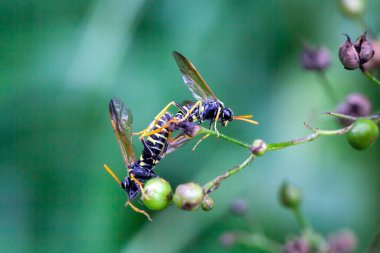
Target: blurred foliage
61, 62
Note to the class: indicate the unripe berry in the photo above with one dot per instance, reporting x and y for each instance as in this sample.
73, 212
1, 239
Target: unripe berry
290, 196
159, 194
363, 134
259, 147
207, 203
188, 196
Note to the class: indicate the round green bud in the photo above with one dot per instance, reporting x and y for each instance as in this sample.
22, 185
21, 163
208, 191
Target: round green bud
158, 194
259, 147
188, 196
290, 196
363, 134
207, 203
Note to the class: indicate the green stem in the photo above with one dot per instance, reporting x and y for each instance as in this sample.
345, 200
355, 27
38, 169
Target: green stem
302, 221
328, 87
370, 76
227, 138
310, 137
215, 183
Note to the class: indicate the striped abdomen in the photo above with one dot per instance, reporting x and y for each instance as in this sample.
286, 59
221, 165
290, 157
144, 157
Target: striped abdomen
156, 144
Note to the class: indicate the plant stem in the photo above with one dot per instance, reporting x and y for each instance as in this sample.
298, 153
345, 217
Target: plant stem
227, 138
328, 87
370, 76
302, 221
310, 137
215, 183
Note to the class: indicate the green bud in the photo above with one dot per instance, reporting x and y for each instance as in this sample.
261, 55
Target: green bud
363, 134
290, 196
188, 196
207, 203
259, 147
158, 194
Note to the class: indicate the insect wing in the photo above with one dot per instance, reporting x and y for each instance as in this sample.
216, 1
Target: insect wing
192, 78
177, 142
121, 120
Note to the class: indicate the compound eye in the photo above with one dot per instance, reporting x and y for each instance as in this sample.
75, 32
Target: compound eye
124, 184
227, 114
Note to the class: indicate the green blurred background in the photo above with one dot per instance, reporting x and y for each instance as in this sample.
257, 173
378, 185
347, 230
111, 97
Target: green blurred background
62, 61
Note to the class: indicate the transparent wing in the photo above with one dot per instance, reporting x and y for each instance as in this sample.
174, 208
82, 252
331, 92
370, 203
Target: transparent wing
192, 78
177, 142
121, 120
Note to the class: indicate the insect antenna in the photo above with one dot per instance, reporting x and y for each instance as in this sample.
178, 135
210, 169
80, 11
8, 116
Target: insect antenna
112, 174
128, 202
246, 118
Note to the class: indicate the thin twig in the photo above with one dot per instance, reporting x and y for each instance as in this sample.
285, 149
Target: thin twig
316, 133
215, 183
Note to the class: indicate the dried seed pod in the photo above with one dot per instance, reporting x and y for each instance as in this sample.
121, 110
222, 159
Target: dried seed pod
375, 61
348, 55
353, 56
364, 48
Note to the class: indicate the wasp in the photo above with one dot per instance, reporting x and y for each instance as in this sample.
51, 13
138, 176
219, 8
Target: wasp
207, 107
155, 147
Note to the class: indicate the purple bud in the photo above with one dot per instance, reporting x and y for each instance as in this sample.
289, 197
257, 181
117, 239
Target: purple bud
375, 61
299, 245
317, 59
342, 242
353, 56
364, 48
227, 239
239, 207
348, 55
356, 105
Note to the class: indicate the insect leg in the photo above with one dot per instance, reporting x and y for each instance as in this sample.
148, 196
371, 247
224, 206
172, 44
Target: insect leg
128, 203
200, 140
139, 184
216, 121
147, 131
